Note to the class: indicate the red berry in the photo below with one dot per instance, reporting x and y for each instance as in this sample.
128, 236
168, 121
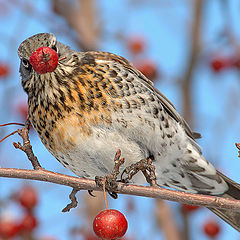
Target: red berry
8, 229
4, 70
44, 60
220, 63
28, 197
110, 224
136, 44
211, 228
189, 208
148, 68
28, 223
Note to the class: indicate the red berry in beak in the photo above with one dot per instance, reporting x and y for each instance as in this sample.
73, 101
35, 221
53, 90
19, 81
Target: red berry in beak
44, 60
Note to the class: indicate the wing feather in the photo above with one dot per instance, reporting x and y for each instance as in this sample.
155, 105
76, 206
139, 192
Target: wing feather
168, 106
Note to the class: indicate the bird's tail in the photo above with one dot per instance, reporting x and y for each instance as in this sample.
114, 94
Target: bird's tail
230, 216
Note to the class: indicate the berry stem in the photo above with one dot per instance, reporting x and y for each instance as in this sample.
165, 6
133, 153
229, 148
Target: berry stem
62, 58
104, 192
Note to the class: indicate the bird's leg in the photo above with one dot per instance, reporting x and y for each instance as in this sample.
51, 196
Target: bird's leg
144, 165
149, 172
111, 179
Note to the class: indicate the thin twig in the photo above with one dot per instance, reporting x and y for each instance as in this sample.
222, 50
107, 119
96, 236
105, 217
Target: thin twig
118, 162
238, 147
73, 199
26, 146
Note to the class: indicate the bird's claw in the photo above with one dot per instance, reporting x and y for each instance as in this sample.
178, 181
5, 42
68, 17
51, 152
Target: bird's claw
144, 165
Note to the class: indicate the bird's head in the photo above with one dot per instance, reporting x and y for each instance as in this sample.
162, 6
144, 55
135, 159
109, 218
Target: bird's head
41, 55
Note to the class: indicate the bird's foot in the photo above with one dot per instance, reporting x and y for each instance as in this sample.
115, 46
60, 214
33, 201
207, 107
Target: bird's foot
110, 184
111, 179
144, 165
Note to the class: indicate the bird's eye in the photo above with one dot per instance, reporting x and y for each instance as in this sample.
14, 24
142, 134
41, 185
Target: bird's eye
54, 47
26, 64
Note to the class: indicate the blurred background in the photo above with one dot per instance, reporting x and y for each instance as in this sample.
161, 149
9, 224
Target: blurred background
190, 49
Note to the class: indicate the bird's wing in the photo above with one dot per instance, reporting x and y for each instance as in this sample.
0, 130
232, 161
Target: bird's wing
168, 106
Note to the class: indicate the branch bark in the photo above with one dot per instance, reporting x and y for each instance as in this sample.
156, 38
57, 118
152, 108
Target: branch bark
153, 192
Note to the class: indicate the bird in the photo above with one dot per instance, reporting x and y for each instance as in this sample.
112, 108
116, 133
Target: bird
86, 105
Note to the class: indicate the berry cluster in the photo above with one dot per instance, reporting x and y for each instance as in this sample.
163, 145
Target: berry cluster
27, 198
136, 46
211, 228
220, 63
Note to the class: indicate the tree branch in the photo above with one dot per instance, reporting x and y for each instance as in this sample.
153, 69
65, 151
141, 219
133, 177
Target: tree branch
153, 192
77, 183
194, 51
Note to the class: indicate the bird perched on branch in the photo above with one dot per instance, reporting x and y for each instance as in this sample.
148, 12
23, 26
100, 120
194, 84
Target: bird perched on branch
86, 105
